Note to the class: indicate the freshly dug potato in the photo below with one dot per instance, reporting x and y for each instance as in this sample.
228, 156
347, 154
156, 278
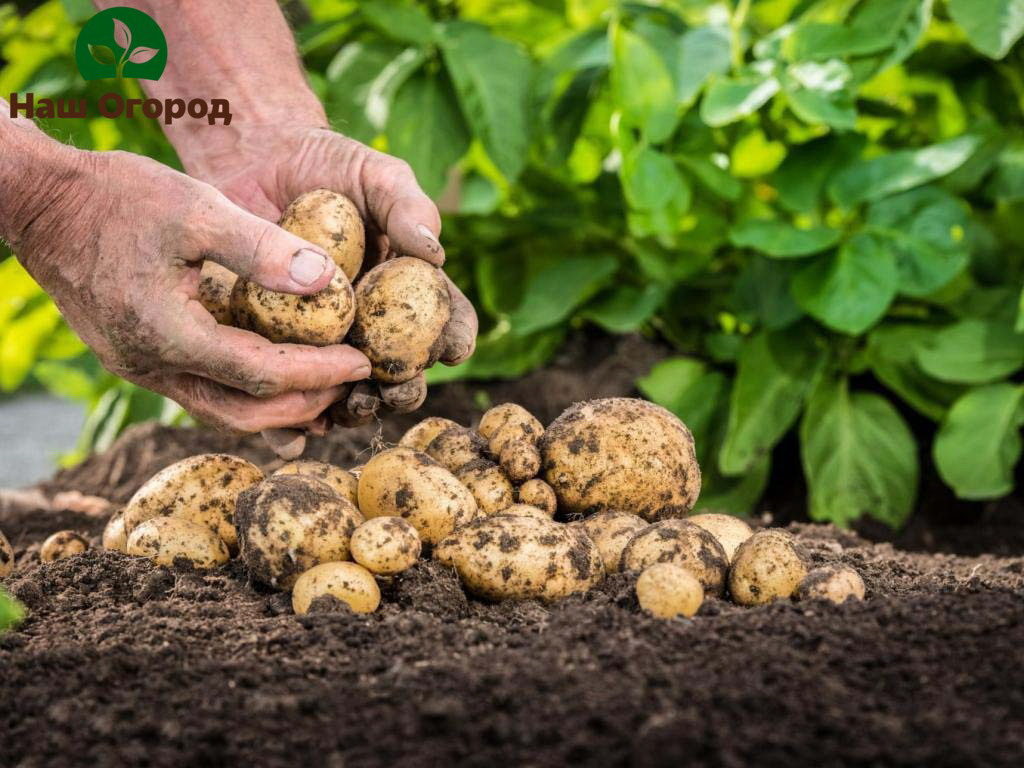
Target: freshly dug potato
61, 545
401, 482
201, 488
621, 453
685, 544
730, 531
330, 220
386, 545
344, 483
768, 566
837, 583
402, 307
6, 557
348, 582
519, 557
611, 531
512, 433
456, 447
418, 436
319, 320
525, 510
115, 537
169, 540
667, 590
215, 286
537, 493
289, 523
488, 484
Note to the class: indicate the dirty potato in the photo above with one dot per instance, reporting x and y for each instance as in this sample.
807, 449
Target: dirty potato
115, 537
6, 557
768, 566
512, 433
537, 493
418, 436
400, 482
611, 532
456, 447
170, 540
525, 510
289, 523
386, 545
61, 545
202, 489
402, 307
729, 530
837, 583
488, 484
519, 557
331, 221
348, 582
667, 590
621, 453
343, 482
320, 319
685, 544
215, 286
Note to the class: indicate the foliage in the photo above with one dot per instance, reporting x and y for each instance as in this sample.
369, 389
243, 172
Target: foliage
816, 203
11, 611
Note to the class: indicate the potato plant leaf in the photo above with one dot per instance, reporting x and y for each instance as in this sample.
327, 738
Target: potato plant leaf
11, 611
892, 356
399, 21
991, 26
781, 240
642, 86
728, 99
972, 351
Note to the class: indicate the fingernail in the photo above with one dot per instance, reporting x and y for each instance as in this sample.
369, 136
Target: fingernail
307, 266
363, 371
425, 231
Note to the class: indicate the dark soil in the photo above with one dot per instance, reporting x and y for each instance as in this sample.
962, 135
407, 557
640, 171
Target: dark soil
125, 663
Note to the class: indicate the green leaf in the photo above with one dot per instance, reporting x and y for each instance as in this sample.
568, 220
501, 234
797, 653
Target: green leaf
704, 52
642, 86
350, 76
11, 611
754, 154
873, 178
801, 178
781, 240
406, 23
859, 457
492, 79
762, 293
501, 355
1008, 180
685, 386
651, 182
817, 107
555, 290
64, 380
626, 308
979, 443
874, 26
20, 343
102, 54
730, 99
991, 26
850, 290
775, 372
972, 351
892, 355
733, 495
382, 90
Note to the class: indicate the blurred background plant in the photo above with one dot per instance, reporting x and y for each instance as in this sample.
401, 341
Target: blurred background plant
818, 206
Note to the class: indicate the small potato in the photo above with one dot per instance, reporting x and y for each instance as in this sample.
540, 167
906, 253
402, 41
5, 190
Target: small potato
520, 557
456, 447
115, 537
520, 460
768, 566
6, 557
488, 484
400, 482
319, 320
418, 437
386, 545
348, 582
402, 307
61, 545
537, 493
685, 544
525, 510
215, 286
344, 483
289, 523
169, 540
330, 220
837, 583
611, 531
730, 531
202, 489
512, 433
667, 590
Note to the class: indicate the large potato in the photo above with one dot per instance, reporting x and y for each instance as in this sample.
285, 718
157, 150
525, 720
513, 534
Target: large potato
319, 320
768, 566
6, 557
729, 530
202, 489
215, 286
169, 540
348, 582
611, 531
685, 544
621, 453
401, 482
343, 482
418, 436
402, 307
330, 220
519, 557
62, 545
488, 484
289, 523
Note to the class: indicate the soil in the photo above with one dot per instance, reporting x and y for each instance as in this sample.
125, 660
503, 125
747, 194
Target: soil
123, 662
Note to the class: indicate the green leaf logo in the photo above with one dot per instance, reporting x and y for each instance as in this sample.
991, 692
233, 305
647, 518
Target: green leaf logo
121, 42
102, 54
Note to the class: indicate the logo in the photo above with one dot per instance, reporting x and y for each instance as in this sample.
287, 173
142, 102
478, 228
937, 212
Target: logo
121, 42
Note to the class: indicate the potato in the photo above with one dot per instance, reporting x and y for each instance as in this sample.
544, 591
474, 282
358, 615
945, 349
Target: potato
332, 221
115, 537
215, 286
611, 531
319, 320
685, 544
344, 483
512, 433
402, 307
621, 453
837, 583
418, 437
729, 530
201, 488
456, 447
170, 540
667, 590
6, 557
386, 545
537, 493
401, 482
488, 484
525, 510
520, 460
519, 557
348, 582
61, 545
289, 523
768, 566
